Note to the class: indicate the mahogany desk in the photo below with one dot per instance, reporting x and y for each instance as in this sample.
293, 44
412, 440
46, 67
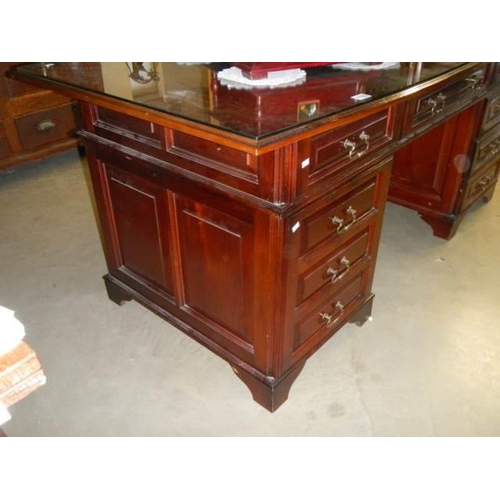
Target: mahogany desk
250, 219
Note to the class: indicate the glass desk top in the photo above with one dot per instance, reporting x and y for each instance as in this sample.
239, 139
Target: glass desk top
196, 93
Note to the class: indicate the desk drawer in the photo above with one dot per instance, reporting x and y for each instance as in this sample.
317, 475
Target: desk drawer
491, 113
335, 151
150, 138
339, 218
487, 149
129, 131
45, 127
183, 152
480, 183
495, 72
335, 269
328, 316
444, 99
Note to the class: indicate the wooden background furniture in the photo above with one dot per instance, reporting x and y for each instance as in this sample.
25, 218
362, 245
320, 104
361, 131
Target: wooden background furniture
34, 123
254, 229
20, 374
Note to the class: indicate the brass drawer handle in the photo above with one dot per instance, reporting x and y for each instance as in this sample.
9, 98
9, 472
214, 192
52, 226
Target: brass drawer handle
337, 221
494, 147
475, 81
484, 182
46, 126
351, 146
496, 109
437, 105
334, 273
332, 319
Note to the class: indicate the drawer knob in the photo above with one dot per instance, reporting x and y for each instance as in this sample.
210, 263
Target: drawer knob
351, 146
331, 319
334, 273
437, 105
46, 126
339, 223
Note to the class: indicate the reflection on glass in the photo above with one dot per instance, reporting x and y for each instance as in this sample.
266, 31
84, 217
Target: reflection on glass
142, 73
193, 92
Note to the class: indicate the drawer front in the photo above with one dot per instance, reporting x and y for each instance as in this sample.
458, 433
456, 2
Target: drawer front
328, 316
487, 149
184, 152
201, 150
169, 145
339, 218
15, 87
495, 73
128, 131
150, 138
333, 152
491, 113
45, 127
444, 99
480, 183
34, 103
335, 269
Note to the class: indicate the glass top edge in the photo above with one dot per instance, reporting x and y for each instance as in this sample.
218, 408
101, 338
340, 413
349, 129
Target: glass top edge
197, 92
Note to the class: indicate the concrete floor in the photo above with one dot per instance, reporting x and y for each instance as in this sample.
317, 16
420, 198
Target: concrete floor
427, 365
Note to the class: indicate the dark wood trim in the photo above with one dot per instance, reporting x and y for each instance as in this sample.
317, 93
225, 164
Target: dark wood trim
246, 144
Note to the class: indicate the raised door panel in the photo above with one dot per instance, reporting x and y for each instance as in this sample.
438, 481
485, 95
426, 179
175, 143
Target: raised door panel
139, 212
217, 252
421, 166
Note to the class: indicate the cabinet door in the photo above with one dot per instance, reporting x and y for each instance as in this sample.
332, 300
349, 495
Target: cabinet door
216, 243
140, 223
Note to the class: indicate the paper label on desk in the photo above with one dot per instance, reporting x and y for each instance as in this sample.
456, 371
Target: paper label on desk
295, 227
361, 97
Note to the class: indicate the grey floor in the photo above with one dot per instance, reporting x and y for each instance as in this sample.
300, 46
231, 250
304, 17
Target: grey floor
427, 365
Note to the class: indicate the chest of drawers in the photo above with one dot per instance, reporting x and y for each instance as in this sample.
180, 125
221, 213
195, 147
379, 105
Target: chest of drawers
34, 123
